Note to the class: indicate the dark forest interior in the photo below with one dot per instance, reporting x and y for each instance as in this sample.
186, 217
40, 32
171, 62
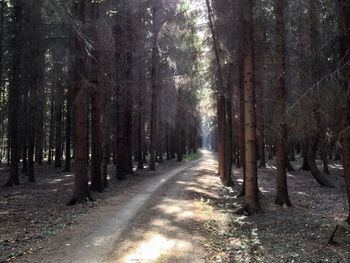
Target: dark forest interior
193, 130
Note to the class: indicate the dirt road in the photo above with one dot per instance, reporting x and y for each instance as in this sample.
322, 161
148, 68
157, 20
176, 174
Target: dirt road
156, 221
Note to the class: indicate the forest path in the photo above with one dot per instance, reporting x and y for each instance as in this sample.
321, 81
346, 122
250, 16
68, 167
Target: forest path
157, 221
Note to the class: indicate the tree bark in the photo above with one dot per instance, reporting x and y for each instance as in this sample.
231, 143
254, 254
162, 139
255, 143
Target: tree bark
260, 40
34, 7
51, 127
124, 165
2, 92
59, 98
242, 127
344, 28
40, 135
96, 107
81, 187
96, 139
324, 158
154, 85
140, 123
224, 143
106, 122
305, 150
179, 131
282, 197
23, 130
14, 94
67, 166
251, 196
221, 142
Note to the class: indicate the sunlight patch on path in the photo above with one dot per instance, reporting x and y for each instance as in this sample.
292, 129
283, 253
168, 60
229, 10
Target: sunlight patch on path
155, 247
167, 233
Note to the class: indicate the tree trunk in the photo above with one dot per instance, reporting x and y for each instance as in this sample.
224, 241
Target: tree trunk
52, 127
2, 92
67, 167
88, 124
58, 133
291, 150
251, 196
179, 131
221, 144
282, 197
260, 36
23, 130
96, 108
305, 150
40, 135
224, 146
106, 119
36, 73
124, 165
154, 98
323, 152
172, 146
81, 187
2, 23
14, 95
168, 143
229, 141
237, 155
31, 129
140, 124
242, 127
24, 155
123, 133
58, 112
344, 26
96, 139
159, 133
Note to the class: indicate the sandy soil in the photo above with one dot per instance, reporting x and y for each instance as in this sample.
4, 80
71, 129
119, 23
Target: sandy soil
155, 217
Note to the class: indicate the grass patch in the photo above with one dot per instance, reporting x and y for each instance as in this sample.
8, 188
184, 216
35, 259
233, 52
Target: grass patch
193, 156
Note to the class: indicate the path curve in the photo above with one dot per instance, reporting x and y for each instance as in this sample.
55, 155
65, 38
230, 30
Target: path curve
155, 223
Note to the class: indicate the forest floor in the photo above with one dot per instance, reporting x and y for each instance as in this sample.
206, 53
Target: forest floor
180, 213
297, 234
